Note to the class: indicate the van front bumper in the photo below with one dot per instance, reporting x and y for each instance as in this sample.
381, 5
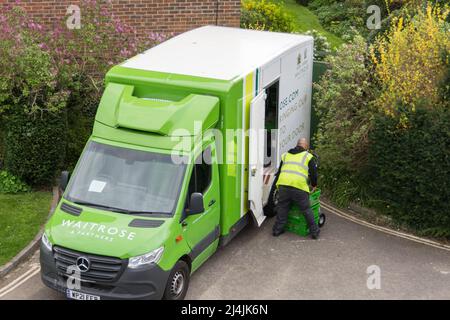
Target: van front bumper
145, 283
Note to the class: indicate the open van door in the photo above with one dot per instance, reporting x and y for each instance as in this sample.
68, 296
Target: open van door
256, 156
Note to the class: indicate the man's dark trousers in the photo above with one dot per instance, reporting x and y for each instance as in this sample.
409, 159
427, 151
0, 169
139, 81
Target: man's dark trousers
287, 195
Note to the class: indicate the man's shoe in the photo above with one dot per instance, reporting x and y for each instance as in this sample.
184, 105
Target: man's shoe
315, 236
277, 233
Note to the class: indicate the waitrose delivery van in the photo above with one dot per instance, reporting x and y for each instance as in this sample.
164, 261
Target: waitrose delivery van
176, 165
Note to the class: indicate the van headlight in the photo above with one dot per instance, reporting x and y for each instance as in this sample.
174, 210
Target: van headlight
146, 259
47, 244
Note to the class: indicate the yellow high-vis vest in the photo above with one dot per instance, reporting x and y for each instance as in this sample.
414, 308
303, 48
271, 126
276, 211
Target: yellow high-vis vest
294, 171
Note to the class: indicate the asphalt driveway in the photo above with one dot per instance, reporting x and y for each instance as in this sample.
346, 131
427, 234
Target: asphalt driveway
257, 266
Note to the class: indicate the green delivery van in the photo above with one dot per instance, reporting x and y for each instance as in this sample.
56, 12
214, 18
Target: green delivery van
183, 154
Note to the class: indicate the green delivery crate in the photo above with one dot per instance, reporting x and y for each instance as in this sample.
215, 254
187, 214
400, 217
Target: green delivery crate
296, 220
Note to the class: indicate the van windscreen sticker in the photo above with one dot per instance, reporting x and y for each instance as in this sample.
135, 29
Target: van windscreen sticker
97, 186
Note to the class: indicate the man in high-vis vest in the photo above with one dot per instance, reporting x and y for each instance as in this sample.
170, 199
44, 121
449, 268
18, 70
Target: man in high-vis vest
298, 168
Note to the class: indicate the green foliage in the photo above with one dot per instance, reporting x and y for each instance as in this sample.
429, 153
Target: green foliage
444, 88
410, 169
305, 19
397, 162
342, 17
265, 15
317, 4
344, 98
11, 184
303, 2
2, 145
411, 61
35, 146
80, 130
322, 47
344, 106
51, 81
28, 77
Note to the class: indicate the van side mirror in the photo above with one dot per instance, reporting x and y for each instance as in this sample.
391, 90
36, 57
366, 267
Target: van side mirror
64, 180
196, 204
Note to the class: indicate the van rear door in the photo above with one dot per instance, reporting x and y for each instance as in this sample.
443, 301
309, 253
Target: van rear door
256, 156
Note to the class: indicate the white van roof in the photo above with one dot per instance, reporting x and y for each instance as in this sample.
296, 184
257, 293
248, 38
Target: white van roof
216, 52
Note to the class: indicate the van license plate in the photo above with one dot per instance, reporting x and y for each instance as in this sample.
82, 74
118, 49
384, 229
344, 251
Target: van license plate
80, 296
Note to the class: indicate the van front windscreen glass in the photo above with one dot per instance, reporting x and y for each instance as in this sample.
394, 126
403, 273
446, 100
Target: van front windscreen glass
126, 180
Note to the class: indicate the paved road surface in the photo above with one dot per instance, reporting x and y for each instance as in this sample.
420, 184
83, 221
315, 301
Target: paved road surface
257, 266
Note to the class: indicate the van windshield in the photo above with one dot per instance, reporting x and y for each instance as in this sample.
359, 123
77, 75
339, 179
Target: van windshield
126, 180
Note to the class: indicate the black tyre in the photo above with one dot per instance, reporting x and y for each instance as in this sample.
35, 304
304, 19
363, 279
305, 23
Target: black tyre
322, 219
178, 282
270, 210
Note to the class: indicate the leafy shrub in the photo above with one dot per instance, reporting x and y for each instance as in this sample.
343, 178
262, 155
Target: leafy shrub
11, 184
322, 47
32, 94
341, 18
53, 78
35, 146
412, 60
410, 169
28, 76
344, 98
265, 15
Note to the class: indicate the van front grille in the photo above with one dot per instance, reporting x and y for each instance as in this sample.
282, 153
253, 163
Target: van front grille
101, 268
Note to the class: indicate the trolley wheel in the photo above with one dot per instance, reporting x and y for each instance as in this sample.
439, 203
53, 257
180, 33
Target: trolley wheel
322, 219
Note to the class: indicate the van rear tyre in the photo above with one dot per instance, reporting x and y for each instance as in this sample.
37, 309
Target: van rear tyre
178, 282
270, 210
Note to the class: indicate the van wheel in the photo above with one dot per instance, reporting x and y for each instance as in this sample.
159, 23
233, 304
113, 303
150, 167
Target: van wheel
178, 282
270, 210
322, 219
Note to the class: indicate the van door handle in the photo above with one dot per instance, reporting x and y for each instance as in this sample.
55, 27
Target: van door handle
211, 202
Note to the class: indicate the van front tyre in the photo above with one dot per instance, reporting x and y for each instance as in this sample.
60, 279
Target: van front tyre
178, 282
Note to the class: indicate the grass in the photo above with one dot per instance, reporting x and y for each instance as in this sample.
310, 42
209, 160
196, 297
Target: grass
306, 20
21, 217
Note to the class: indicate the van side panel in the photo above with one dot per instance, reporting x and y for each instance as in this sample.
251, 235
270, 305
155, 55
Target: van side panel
231, 168
159, 85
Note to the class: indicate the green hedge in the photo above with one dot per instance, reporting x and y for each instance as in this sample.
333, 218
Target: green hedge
410, 170
35, 146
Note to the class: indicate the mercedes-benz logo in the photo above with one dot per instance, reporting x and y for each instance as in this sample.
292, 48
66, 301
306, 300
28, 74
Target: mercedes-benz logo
83, 264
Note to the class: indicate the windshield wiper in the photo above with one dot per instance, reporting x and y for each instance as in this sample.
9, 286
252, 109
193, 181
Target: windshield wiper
89, 204
114, 209
141, 212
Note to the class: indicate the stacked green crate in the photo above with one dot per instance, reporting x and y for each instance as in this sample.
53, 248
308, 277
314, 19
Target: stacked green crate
296, 219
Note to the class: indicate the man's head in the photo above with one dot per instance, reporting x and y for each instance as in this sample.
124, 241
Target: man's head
302, 142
